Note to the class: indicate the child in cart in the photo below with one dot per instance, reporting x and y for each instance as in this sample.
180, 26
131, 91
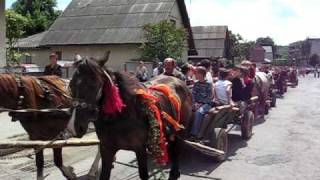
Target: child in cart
202, 99
223, 88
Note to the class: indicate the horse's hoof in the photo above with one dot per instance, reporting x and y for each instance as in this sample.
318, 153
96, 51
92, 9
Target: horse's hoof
174, 175
68, 172
40, 178
90, 177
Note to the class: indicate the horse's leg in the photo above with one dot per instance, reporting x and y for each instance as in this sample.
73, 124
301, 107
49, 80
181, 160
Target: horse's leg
95, 166
174, 157
142, 163
107, 158
66, 171
39, 164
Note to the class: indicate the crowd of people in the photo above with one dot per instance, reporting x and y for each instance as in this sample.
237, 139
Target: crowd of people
209, 82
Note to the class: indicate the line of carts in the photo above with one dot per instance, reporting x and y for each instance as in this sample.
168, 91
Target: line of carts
220, 120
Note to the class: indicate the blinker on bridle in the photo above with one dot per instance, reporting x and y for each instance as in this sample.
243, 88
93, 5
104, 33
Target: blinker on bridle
80, 104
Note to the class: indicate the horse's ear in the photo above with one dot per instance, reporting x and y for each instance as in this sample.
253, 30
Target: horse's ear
105, 59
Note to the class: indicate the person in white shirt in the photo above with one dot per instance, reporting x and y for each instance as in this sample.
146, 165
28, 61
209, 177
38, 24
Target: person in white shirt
223, 88
207, 64
158, 70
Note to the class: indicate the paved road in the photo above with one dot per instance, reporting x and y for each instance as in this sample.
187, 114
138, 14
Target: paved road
285, 146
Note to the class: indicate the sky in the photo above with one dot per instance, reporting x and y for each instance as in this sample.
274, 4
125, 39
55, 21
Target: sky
285, 21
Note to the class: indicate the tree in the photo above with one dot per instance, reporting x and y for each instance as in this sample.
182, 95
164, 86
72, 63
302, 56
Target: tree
314, 60
163, 40
265, 41
40, 14
15, 24
240, 48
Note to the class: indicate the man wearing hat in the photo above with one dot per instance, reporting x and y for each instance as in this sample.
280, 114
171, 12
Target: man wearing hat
53, 68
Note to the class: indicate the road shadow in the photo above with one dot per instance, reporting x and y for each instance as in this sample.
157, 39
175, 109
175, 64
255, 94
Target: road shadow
193, 161
259, 121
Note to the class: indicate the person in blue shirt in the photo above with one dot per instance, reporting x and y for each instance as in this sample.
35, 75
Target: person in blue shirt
202, 98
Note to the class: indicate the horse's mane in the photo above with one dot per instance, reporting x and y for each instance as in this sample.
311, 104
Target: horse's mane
126, 83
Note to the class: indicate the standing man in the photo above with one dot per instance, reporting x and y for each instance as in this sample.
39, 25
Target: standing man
53, 68
142, 72
170, 69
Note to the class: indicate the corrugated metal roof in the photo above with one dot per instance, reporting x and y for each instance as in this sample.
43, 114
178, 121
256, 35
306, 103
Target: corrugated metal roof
210, 40
31, 41
106, 21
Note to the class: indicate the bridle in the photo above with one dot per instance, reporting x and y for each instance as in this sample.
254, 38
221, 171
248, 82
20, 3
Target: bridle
81, 104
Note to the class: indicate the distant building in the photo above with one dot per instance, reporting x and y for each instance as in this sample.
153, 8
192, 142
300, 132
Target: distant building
268, 53
282, 52
2, 35
301, 51
90, 28
257, 54
211, 42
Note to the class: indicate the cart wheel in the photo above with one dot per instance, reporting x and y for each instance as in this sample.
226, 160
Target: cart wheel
266, 109
247, 125
274, 99
219, 140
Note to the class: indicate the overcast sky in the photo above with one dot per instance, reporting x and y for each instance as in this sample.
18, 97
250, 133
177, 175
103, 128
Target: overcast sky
283, 20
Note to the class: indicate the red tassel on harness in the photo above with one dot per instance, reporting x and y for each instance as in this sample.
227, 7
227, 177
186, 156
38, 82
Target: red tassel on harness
113, 102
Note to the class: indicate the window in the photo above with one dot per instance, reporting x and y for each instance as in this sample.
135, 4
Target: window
28, 59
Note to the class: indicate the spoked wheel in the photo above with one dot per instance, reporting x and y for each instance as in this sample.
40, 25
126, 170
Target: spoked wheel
219, 140
273, 99
266, 109
247, 125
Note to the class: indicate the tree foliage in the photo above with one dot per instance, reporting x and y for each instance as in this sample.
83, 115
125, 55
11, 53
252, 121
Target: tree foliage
39, 13
314, 60
267, 41
15, 24
163, 40
239, 48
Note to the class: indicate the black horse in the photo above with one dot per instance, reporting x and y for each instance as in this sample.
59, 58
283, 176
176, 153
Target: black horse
127, 130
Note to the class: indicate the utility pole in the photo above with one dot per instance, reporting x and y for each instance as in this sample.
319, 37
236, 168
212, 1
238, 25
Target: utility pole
2, 34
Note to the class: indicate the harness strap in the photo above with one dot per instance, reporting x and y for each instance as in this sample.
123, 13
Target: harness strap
21, 88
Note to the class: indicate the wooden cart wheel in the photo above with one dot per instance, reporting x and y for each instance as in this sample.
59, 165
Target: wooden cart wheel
219, 140
266, 109
247, 125
273, 99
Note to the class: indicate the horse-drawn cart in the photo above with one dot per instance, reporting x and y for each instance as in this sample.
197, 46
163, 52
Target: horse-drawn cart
214, 128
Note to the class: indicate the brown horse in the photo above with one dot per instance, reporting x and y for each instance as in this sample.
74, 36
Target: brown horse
38, 93
127, 129
261, 89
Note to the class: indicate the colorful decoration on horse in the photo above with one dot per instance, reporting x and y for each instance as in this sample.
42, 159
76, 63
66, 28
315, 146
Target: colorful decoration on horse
165, 89
113, 102
156, 139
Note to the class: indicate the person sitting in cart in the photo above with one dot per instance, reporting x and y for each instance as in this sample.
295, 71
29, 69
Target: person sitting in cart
202, 98
223, 88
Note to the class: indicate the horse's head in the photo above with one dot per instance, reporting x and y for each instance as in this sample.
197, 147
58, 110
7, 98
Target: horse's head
86, 87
